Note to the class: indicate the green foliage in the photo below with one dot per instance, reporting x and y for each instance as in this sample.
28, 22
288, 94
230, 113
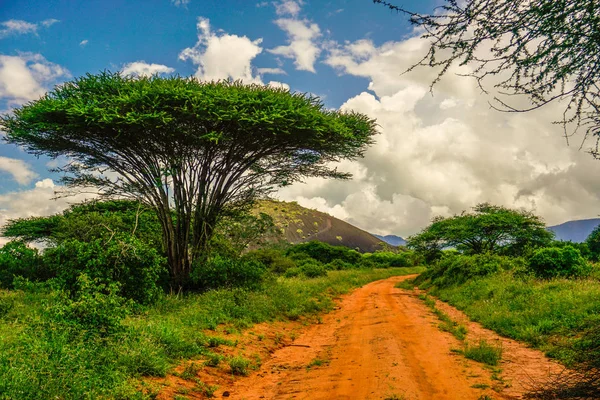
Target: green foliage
339, 265
455, 269
487, 229
17, 259
324, 253
223, 272
292, 272
593, 243
242, 230
123, 259
313, 270
95, 307
90, 221
167, 141
483, 352
552, 262
239, 365
273, 259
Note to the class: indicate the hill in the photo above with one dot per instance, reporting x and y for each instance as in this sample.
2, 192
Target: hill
575, 231
299, 224
392, 239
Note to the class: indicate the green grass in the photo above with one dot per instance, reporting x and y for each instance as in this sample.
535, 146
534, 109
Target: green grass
483, 352
547, 314
43, 357
446, 324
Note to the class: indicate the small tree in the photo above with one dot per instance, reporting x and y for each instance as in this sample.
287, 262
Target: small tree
192, 150
593, 243
487, 229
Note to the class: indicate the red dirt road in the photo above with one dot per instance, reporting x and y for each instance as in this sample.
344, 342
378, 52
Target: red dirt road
381, 342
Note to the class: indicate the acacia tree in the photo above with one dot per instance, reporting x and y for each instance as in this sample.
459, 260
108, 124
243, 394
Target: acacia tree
546, 50
488, 228
192, 150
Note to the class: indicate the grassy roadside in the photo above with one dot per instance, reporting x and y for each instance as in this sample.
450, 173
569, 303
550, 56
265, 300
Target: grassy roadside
43, 357
550, 315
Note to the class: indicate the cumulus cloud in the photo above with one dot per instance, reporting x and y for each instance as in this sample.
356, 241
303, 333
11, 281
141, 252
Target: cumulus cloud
20, 171
288, 7
141, 68
302, 36
26, 77
222, 55
441, 154
20, 27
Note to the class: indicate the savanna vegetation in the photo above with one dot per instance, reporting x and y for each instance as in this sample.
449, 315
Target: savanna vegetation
513, 278
111, 291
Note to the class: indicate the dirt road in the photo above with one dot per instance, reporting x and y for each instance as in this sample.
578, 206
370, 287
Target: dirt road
381, 343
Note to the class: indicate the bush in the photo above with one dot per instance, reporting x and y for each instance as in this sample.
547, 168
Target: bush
16, 259
339, 265
454, 268
313, 270
552, 262
324, 252
124, 259
274, 260
222, 272
292, 272
96, 308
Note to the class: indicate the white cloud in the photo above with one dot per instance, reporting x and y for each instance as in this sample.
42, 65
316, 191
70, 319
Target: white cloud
302, 45
445, 153
26, 77
277, 84
141, 68
19, 169
288, 7
180, 3
84, 43
20, 27
278, 71
222, 55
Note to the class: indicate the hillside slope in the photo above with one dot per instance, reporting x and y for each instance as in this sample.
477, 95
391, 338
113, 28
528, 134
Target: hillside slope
299, 224
575, 231
394, 240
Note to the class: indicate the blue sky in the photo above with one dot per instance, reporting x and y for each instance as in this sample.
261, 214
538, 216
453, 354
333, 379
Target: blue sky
436, 155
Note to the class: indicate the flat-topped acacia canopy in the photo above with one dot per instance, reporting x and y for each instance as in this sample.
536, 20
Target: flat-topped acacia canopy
191, 149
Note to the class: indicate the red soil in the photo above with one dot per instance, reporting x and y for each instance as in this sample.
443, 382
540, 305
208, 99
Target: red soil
381, 343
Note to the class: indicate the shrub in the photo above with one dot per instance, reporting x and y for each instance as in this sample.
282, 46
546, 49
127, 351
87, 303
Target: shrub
16, 259
292, 272
313, 270
96, 307
274, 260
339, 265
324, 252
552, 262
454, 268
124, 259
220, 272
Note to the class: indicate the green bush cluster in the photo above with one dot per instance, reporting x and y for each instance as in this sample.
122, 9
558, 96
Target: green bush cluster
124, 259
455, 268
553, 262
17, 259
225, 272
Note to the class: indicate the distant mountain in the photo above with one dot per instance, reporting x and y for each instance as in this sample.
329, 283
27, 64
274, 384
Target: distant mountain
575, 231
392, 239
299, 224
